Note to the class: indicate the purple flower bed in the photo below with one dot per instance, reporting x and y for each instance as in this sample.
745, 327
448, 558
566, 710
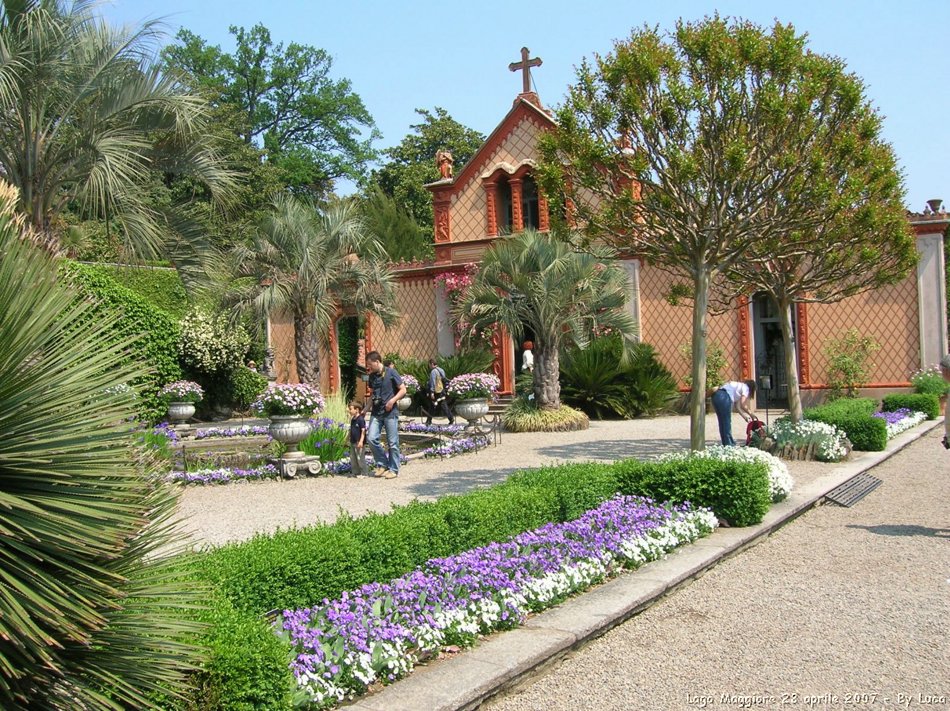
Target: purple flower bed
455, 446
430, 429
242, 431
379, 631
224, 475
892, 418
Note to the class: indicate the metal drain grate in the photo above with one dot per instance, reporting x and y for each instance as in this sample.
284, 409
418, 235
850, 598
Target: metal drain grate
853, 490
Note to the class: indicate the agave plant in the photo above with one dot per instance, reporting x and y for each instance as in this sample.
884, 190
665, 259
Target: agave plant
85, 620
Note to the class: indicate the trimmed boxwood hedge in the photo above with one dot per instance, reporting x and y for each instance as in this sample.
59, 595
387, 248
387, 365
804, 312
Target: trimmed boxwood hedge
297, 568
152, 334
916, 402
853, 416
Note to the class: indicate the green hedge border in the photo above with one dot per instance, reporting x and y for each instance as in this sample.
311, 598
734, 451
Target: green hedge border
853, 416
296, 568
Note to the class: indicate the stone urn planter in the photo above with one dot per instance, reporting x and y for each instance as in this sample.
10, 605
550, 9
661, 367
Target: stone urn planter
472, 410
289, 430
404, 403
179, 412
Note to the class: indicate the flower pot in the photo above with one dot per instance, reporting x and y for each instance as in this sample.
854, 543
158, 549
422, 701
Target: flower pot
404, 403
289, 429
472, 410
179, 412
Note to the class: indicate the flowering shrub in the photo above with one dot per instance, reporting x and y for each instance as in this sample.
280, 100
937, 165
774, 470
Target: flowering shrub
211, 344
182, 391
780, 480
472, 385
285, 400
379, 631
831, 443
412, 385
223, 475
929, 381
900, 420
456, 283
455, 446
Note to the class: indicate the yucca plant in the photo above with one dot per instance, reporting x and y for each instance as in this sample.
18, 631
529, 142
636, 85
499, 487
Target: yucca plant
85, 620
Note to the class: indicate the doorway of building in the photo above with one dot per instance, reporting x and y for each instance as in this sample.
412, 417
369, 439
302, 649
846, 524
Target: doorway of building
347, 339
769, 352
523, 378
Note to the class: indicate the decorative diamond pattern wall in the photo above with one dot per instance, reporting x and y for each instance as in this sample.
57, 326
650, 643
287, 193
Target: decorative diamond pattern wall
889, 315
667, 327
414, 335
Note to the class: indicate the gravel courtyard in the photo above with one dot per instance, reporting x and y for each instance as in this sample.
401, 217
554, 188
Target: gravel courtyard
842, 608
213, 515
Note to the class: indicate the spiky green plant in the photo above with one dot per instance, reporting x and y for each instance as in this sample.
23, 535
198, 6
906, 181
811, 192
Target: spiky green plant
85, 621
523, 416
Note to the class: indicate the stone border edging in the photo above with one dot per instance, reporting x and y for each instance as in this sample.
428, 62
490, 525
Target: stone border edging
505, 659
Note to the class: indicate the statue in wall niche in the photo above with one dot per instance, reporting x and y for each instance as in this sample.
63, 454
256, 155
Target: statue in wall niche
443, 159
269, 364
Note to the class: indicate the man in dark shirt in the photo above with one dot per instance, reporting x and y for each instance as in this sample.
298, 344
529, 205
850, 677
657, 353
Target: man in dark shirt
386, 390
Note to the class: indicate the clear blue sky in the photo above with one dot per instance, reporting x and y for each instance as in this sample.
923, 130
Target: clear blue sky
401, 56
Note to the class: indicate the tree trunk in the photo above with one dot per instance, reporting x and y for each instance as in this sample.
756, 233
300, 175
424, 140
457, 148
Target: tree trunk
791, 362
547, 383
307, 350
697, 400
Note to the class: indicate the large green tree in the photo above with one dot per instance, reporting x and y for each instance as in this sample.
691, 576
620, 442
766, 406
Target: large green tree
309, 263
734, 135
312, 127
411, 163
534, 280
90, 617
88, 120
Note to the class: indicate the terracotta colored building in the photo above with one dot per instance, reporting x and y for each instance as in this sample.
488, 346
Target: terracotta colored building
495, 193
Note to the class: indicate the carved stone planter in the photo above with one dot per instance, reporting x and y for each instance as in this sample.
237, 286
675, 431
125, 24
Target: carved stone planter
289, 430
179, 412
472, 410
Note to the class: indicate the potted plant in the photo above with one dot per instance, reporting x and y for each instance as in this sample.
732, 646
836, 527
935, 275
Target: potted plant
181, 397
412, 387
289, 408
471, 392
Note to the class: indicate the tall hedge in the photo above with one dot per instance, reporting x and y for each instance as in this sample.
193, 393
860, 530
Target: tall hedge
151, 333
161, 287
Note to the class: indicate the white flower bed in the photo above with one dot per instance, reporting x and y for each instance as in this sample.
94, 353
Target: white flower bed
780, 480
911, 420
831, 443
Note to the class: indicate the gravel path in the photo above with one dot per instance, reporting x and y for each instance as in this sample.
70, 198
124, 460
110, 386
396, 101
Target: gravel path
840, 601
213, 515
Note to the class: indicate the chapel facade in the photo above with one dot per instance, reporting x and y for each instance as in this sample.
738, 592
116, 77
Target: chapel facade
495, 193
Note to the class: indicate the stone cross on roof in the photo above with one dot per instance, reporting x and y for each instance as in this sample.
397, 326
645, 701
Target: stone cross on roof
525, 66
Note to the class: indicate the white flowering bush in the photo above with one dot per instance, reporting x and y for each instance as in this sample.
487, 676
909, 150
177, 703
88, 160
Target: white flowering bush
211, 343
182, 391
473, 385
289, 400
831, 443
780, 480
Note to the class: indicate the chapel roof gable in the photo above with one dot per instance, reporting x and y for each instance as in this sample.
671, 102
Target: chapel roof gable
523, 108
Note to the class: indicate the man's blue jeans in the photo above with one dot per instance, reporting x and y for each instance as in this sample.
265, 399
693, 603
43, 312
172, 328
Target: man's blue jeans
722, 404
388, 461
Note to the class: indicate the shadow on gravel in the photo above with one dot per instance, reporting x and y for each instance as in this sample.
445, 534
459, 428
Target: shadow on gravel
458, 482
899, 529
612, 450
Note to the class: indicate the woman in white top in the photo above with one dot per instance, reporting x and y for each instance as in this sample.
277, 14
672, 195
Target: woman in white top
733, 394
527, 358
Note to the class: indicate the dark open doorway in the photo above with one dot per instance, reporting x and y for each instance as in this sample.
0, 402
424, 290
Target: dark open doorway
769, 352
347, 334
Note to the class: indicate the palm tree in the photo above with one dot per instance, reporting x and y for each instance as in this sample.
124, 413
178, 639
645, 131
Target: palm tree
85, 621
87, 119
535, 280
309, 263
